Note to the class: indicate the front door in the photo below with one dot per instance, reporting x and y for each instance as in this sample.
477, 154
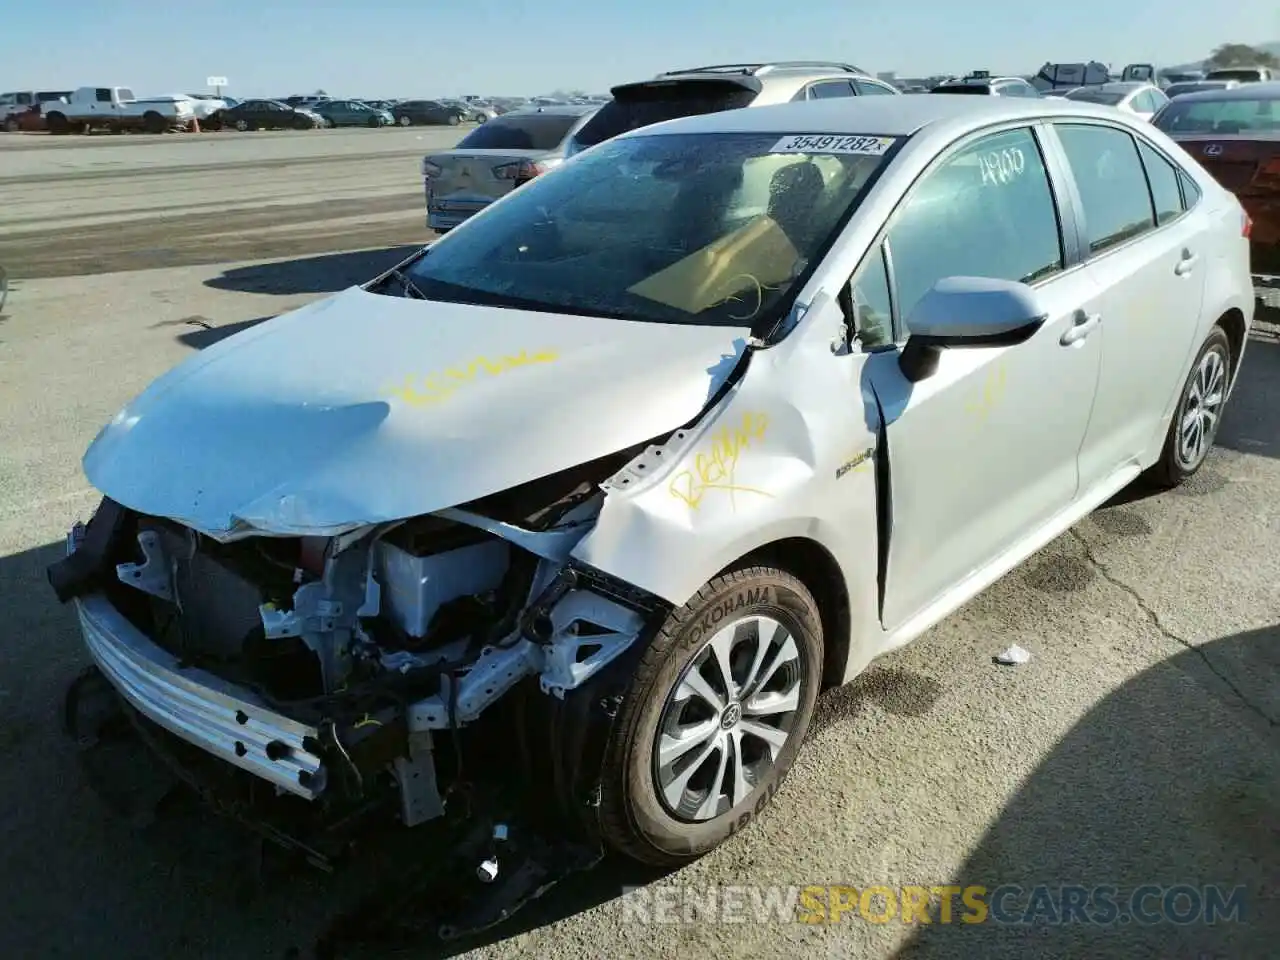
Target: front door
1149, 264
983, 452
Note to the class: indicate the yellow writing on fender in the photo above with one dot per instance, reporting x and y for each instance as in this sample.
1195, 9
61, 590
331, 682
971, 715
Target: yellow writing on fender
715, 466
438, 387
881, 904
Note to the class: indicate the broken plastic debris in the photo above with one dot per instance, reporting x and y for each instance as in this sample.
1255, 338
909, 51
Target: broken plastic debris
1013, 656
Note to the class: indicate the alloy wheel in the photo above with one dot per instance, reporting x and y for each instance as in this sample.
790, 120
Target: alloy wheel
1202, 409
727, 719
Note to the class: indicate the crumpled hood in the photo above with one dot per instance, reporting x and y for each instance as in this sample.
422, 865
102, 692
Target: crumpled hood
363, 408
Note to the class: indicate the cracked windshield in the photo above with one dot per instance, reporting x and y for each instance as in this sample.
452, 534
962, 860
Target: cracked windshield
707, 229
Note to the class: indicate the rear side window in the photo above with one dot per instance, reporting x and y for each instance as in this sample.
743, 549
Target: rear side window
646, 104
534, 131
1163, 177
827, 89
1113, 185
103, 95
1190, 191
867, 89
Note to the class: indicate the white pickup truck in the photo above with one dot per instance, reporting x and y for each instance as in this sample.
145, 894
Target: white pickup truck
116, 109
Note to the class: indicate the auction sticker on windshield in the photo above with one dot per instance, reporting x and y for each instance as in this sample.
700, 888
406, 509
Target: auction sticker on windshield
831, 143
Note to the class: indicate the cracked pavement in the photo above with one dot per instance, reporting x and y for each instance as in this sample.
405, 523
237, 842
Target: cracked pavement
1138, 746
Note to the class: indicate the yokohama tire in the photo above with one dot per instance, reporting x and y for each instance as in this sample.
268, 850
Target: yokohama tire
636, 820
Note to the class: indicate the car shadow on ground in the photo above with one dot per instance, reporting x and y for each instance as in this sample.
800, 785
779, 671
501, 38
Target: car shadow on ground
328, 273
1171, 780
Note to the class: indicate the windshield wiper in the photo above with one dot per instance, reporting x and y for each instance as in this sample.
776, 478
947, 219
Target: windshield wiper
410, 288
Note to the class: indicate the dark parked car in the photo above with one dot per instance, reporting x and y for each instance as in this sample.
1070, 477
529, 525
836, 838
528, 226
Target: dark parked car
351, 113
410, 113
1232, 133
267, 115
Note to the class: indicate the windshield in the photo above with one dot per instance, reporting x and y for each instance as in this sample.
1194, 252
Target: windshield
1193, 86
713, 229
1228, 115
1096, 96
1245, 73
530, 131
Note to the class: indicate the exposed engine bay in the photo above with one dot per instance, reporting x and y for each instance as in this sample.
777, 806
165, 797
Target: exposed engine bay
349, 671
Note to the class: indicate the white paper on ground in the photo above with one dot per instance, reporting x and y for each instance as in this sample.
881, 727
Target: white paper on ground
1013, 656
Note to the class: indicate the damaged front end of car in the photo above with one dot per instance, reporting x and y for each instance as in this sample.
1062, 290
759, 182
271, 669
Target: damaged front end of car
308, 684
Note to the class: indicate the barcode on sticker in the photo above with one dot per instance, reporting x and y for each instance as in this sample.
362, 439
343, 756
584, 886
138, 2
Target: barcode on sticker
824, 143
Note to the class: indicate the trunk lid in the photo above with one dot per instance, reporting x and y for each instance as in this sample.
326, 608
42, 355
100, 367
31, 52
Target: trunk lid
1247, 165
463, 181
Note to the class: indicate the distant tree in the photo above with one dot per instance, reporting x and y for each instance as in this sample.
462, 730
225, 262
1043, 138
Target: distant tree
321, 93
1240, 55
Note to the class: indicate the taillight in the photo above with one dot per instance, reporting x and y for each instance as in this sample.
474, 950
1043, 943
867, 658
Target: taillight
1271, 168
519, 171
1246, 225
429, 169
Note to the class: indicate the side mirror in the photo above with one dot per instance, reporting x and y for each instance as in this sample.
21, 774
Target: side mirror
968, 312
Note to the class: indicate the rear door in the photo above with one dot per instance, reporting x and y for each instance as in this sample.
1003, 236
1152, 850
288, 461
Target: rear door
636, 105
1148, 259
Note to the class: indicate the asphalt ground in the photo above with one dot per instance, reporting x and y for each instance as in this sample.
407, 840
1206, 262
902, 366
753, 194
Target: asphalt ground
1138, 746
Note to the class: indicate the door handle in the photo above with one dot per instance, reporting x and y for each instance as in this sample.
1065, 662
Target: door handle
1084, 325
1186, 264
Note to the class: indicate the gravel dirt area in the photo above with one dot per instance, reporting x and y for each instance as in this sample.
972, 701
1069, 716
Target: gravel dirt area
1138, 746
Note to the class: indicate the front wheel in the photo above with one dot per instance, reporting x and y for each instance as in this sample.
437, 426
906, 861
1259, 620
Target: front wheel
714, 717
405, 121
454, 120
1196, 418
375, 122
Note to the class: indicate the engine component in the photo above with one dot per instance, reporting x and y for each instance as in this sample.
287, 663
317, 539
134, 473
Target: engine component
420, 798
587, 631
421, 573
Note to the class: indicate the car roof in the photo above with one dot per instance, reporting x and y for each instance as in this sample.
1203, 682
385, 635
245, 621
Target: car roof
558, 109
1246, 91
885, 116
1119, 86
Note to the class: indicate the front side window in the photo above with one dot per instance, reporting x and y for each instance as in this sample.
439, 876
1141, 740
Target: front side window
1113, 187
985, 211
716, 229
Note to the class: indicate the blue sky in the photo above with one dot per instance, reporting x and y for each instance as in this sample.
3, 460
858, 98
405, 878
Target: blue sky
377, 48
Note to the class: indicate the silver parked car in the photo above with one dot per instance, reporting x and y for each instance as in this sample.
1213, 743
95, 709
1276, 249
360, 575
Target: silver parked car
622, 472
1142, 99
494, 159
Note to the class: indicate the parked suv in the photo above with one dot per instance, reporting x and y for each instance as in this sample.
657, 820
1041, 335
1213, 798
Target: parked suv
726, 86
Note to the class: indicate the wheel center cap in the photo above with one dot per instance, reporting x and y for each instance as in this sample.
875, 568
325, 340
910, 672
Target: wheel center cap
732, 714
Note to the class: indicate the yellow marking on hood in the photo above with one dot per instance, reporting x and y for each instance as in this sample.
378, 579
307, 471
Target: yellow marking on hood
425, 390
